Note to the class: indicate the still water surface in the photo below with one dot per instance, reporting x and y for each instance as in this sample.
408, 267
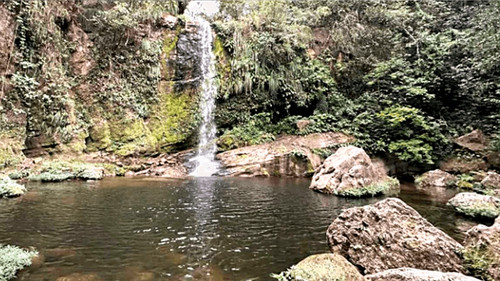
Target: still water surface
151, 229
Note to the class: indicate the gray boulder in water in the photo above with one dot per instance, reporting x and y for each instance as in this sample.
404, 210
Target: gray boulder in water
390, 234
350, 172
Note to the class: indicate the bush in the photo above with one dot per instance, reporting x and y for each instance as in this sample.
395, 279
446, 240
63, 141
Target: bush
13, 259
403, 131
10, 188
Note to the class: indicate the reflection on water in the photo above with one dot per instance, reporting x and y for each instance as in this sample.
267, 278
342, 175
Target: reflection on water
198, 229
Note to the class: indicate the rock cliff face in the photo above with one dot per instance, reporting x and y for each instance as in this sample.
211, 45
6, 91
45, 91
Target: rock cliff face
124, 89
390, 234
288, 156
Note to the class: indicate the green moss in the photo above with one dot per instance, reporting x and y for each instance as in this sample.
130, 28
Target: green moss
100, 136
10, 150
13, 259
477, 260
479, 210
169, 45
372, 190
173, 119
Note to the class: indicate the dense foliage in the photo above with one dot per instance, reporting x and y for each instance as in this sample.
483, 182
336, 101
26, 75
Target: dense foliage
402, 76
13, 259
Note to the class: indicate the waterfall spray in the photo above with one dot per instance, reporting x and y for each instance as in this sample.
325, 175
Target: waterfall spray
205, 157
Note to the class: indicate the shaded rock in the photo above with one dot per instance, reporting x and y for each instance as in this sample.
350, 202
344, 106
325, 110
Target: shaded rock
474, 141
303, 124
80, 277
322, 267
350, 172
460, 165
491, 181
412, 274
476, 205
288, 156
494, 159
482, 251
435, 178
391, 234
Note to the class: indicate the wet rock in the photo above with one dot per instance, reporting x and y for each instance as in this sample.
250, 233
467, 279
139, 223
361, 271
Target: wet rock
303, 124
350, 172
474, 141
482, 251
476, 205
391, 234
37, 261
435, 178
412, 274
322, 267
491, 181
290, 156
80, 277
460, 165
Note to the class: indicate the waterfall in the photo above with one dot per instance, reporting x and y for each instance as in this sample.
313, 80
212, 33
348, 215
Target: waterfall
205, 156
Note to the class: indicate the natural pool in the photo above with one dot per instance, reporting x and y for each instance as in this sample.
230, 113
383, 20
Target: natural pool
156, 229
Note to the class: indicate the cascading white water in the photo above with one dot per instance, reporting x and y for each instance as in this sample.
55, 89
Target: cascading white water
205, 157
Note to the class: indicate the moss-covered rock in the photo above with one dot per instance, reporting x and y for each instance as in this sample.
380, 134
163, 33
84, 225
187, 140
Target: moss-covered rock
173, 121
481, 253
476, 205
11, 147
331, 267
10, 188
382, 187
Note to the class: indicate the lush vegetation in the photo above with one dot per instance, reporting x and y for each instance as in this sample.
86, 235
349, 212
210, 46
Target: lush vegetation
13, 259
10, 188
402, 76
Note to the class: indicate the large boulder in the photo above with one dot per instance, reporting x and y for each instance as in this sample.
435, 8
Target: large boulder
390, 234
482, 251
412, 274
322, 267
474, 141
476, 205
435, 178
289, 156
351, 172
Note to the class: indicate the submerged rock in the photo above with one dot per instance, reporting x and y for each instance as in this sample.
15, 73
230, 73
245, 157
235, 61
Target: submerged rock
476, 205
391, 234
322, 267
482, 251
350, 172
80, 277
412, 274
435, 178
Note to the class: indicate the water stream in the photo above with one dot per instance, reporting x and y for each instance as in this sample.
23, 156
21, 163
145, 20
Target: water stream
205, 164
